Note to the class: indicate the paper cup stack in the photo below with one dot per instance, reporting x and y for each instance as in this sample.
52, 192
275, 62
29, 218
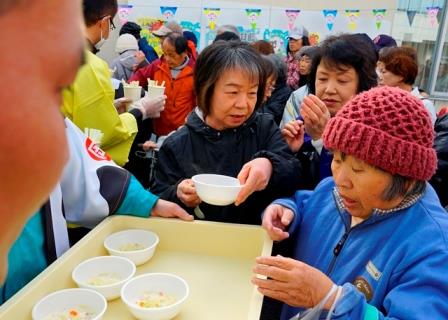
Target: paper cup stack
154, 90
132, 90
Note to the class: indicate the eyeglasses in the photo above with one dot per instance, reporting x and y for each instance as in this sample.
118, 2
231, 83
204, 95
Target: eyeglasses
111, 25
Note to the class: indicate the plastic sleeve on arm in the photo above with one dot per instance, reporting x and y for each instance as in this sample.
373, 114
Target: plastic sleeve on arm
138, 201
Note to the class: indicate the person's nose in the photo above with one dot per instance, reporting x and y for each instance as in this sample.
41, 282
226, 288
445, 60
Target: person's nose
342, 178
242, 101
331, 87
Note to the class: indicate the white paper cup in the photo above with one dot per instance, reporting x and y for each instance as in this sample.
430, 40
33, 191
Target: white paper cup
155, 91
132, 92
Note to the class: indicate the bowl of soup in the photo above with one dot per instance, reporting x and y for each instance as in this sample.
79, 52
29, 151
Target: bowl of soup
104, 274
216, 189
77, 303
155, 296
135, 244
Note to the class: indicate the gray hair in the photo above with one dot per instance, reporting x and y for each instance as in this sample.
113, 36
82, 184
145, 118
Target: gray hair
223, 56
229, 28
399, 187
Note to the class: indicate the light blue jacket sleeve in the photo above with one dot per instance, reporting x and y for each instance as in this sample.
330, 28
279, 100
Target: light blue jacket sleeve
138, 201
295, 204
417, 293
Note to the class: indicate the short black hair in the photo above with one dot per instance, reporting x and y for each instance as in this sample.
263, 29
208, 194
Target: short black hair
178, 41
131, 28
95, 10
222, 56
346, 50
189, 35
227, 36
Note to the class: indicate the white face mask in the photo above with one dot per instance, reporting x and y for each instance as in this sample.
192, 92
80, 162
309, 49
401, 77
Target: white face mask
102, 41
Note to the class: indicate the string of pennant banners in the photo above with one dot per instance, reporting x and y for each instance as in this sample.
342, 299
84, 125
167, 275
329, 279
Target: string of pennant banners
253, 14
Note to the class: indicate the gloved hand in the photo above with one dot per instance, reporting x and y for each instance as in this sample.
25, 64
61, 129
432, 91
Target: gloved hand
150, 107
121, 104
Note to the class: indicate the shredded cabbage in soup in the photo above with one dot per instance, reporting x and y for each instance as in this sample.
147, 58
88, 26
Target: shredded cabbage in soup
156, 300
103, 279
131, 246
78, 313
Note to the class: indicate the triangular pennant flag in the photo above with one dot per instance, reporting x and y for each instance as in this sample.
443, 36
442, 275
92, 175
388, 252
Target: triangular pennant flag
168, 12
379, 16
253, 15
330, 16
292, 16
432, 15
411, 15
212, 15
124, 11
352, 16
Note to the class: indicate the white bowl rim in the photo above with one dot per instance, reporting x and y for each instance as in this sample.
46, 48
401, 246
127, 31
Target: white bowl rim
134, 305
130, 251
90, 291
134, 269
194, 178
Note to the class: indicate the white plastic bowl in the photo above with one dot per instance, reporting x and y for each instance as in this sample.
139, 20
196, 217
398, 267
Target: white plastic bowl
216, 189
149, 240
155, 282
63, 300
119, 267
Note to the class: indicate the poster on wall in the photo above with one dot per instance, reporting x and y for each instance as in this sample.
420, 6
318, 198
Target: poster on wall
194, 27
148, 26
124, 10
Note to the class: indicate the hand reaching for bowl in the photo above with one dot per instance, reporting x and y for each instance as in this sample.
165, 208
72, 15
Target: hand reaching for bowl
293, 133
315, 116
254, 176
186, 192
292, 282
276, 219
166, 209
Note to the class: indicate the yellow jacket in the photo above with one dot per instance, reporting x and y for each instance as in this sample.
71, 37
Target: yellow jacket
88, 102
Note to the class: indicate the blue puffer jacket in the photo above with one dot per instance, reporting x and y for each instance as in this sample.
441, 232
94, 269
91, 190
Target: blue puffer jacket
391, 266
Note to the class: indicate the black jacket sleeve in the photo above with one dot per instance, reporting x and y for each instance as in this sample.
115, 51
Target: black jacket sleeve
286, 170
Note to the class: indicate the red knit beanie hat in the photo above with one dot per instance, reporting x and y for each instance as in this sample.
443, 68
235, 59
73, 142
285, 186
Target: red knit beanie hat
388, 128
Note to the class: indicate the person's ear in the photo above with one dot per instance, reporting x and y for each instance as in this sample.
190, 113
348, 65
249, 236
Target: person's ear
103, 23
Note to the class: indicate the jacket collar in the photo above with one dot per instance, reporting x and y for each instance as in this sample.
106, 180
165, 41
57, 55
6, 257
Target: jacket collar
377, 214
196, 122
91, 47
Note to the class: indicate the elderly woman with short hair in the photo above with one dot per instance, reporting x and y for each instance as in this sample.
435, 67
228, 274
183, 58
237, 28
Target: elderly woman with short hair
398, 67
371, 241
225, 135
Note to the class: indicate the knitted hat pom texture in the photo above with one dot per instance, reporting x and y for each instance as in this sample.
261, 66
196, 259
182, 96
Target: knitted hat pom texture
387, 128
